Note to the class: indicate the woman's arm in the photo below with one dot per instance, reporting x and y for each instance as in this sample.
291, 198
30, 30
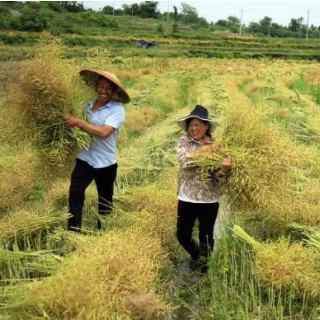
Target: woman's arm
183, 153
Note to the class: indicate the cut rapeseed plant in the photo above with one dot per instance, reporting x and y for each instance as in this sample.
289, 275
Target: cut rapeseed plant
284, 265
47, 91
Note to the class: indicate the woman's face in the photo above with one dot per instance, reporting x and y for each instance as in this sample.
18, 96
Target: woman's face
197, 129
105, 90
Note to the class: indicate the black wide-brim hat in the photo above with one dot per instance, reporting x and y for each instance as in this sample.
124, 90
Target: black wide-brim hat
198, 112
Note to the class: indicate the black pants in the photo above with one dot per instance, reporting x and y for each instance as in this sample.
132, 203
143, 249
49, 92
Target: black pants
81, 177
188, 213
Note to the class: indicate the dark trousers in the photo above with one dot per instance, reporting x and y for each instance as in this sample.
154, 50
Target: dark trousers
81, 177
188, 213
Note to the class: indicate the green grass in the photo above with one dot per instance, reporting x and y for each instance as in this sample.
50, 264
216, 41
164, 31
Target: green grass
300, 85
293, 119
36, 195
303, 86
194, 43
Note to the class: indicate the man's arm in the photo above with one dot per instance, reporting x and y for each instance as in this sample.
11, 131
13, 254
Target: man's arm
92, 129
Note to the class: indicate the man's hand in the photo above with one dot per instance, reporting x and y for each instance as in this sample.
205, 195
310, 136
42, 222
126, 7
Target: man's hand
72, 122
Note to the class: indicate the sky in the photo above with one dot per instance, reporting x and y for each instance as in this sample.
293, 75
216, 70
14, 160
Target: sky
280, 11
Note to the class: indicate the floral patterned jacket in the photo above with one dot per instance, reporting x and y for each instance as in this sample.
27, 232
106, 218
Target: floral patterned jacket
190, 180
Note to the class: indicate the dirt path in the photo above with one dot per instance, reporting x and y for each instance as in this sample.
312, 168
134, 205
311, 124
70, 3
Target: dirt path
186, 294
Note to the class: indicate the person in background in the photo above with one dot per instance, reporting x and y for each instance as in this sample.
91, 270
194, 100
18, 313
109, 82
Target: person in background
105, 116
197, 198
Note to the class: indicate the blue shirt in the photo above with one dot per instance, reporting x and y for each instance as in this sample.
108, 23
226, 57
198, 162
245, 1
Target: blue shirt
103, 151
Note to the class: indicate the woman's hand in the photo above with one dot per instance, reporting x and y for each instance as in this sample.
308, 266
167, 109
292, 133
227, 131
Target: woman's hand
225, 165
72, 122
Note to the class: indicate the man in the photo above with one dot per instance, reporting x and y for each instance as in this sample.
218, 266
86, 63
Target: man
106, 116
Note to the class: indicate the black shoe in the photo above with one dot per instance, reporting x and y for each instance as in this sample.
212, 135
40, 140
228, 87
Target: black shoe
194, 264
206, 248
203, 263
203, 269
199, 265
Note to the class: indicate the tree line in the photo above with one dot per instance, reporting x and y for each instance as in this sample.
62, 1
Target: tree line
61, 15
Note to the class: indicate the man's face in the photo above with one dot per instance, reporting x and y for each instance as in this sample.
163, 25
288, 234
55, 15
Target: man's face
105, 89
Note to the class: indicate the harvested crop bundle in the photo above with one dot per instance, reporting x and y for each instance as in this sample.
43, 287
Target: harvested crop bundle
270, 173
259, 157
19, 224
47, 91
285, 265
110, 277
17, 177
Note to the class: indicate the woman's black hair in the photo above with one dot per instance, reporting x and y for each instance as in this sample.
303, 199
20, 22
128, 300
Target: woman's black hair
203, 121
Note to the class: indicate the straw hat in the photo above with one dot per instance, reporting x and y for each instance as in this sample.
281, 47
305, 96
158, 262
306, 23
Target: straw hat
91, 77
198, 112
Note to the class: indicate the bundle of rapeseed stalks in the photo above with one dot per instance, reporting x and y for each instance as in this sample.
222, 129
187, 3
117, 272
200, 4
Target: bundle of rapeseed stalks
17, 174
259, 157
16, 264
270, 173
312, 234
19, 224
285, 265
47, 91
112, 277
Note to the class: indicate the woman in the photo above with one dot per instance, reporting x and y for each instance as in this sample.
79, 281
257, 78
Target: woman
106, 116
198, 198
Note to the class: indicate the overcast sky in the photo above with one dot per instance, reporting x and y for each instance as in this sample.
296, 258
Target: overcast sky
280, 11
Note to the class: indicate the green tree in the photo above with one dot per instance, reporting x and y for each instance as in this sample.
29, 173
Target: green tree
222, 23
4, 11
135, 9
255, 28
31, 18
132, 10
175, 26
72, 6
148, 9
203, 23
265, 25
5, 17
295, 24
118, 12
12, 5
107, 10
55, 6
233, 21
189, 13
